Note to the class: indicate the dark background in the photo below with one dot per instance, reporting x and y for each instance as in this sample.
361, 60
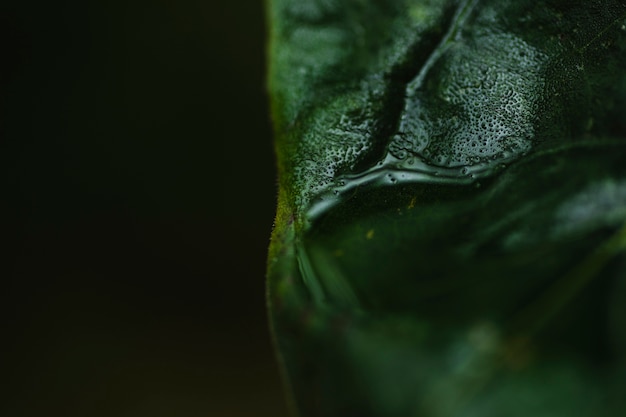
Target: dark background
138, 193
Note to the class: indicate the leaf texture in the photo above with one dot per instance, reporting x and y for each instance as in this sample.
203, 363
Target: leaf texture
451, 223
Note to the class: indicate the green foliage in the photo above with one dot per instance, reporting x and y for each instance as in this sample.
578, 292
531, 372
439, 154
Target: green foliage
451, 221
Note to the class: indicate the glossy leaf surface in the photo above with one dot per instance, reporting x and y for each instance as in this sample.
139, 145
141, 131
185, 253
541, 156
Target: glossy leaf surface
451, 230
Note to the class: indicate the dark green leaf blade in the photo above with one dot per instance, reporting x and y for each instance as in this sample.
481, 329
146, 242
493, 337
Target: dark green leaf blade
450, 230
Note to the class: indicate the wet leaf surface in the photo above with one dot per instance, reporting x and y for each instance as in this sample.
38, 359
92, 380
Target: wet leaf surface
451, 230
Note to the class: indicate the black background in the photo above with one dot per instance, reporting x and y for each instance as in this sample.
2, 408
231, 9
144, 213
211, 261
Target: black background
138, 194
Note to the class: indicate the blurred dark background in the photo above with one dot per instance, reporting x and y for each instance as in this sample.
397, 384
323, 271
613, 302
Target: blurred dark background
138, 192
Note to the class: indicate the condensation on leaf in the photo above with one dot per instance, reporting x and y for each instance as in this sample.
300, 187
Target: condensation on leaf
450, 237
478, 105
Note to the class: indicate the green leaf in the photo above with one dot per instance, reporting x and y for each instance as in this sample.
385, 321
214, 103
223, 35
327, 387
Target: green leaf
451, 227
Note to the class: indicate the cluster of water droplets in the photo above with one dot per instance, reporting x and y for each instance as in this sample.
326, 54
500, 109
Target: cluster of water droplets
477, 107
337, 137
470, 110
471, 114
